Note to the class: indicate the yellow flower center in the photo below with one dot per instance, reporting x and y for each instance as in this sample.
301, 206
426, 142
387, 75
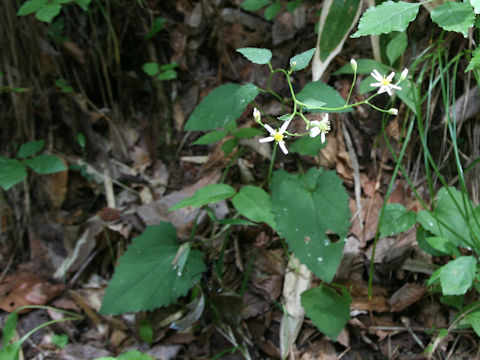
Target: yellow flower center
277, 136
385, 82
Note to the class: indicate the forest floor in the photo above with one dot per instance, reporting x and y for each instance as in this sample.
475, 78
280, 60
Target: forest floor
62, 234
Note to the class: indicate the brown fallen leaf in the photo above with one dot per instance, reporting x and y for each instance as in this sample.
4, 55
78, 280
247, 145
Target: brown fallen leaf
407, 295
26, 289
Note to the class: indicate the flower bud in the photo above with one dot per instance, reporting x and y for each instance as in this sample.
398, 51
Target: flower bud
256, 115
393, 111
353, 63
404, 74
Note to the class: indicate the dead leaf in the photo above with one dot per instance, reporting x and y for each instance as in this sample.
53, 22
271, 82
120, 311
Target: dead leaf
52, 188
407, 295
26, 289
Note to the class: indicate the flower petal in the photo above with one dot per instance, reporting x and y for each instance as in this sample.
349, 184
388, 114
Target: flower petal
322, 137
314, 132
267, 139
376, 75
269, 129
284, 126
283, 147
390, 77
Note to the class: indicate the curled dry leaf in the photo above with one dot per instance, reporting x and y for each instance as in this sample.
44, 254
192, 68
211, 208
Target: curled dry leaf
407, 295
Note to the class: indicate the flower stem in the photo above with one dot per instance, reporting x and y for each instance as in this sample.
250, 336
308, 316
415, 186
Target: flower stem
270, 168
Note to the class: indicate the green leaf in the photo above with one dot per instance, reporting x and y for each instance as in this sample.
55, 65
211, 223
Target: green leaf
210, 138
307, 146
254, 5
83, 4
407, 96
30, 148
454, 16
310, 103
451, 224
474, 222
31, 6
387, 17
475, 60
256, 55
229, 145
319, 91
8, 331
81, 140
145, 278
255, 204
307, 207
247, 133
443, 245
11, 351
45, 164
292, 5
208, 194
364, 66
167, 75
272, 10
328, 310
422, 236
13, 171
157, 26
396, 47
129, 355
301, 61
396, 220
151, 68
145, 331
476, 6
221, 106
48, 12
60, 340
474, 320
340, 18
457, 276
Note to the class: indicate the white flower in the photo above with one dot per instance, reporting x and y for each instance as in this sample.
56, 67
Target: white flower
385, 83
404, 74
393, 111
277, 135
353, 63
321, 127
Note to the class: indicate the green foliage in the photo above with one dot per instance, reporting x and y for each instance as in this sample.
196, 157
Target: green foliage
221, 106
255, 204
272, 10
457, 276
328, 310
307, 207
474, 61
47, 10
157, 26
14, 171
60, 340
448, 219
129, 355
341, 16
387, 17
301, 61
256, 55
146, 332
454, 16
210, 138
147, 275
396, 47
162, 73
206, 195
319, 91
396, 220
307, 146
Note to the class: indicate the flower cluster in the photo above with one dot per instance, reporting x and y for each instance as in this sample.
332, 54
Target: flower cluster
317, 127
322, 126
